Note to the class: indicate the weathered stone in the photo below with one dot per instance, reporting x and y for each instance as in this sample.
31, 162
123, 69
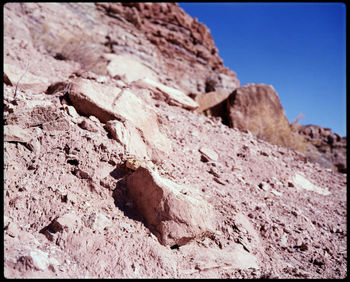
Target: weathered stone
89, 125
330, 147
24, 78
301, 183
110, 103
91, 98
257, 108
127, 135
129, 66
15, 133
172, 95
171, 213
210, 99
168, 33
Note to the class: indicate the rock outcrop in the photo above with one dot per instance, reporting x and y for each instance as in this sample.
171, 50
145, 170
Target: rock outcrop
331, 146
174, 34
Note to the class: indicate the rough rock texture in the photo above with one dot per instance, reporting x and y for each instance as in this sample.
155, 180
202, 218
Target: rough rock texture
170, 210
70, 152
257, 108
331, 146
175, 35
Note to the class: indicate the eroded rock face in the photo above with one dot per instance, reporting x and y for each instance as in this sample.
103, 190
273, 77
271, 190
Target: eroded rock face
173, 34
171, 212
330, 146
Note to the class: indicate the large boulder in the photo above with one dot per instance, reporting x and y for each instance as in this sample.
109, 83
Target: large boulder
172, 212
257, 108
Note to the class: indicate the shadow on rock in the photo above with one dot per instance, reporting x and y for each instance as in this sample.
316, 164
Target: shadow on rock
123, 202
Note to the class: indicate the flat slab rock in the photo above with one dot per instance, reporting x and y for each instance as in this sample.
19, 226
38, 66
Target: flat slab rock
171, 212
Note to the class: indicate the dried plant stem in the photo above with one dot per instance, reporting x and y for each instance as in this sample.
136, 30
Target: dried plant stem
27, 67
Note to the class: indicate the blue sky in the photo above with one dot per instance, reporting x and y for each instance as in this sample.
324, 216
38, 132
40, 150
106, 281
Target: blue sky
298, 48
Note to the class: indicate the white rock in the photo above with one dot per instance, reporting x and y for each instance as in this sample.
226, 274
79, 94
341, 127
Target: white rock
40, 259
300, 183
209, 153
101, 222
129, 66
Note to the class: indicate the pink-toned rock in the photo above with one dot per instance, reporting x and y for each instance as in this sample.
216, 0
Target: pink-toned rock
171, 212
172, 96
15, 133
257, 108
210, 99
110, 103
24, 78
127, 135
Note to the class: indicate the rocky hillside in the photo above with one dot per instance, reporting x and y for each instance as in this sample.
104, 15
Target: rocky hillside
130, 151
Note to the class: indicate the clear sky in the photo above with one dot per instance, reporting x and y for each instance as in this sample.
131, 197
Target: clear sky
298, 48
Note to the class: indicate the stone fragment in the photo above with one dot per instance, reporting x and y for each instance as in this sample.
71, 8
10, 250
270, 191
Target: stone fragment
15, 133
91, 98
133, 163
301, 183
264, 186
172, 95
110, 103
71, 111
171, 213
88, 125
208, 154
233, 257
67, 222
39, 258
24, 78
127, 135
12, 229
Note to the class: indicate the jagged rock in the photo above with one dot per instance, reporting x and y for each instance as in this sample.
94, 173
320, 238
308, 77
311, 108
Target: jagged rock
331, 147
127, 134
172, 95
168, 33
89, 125
175, 216
91, 98
111, 103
